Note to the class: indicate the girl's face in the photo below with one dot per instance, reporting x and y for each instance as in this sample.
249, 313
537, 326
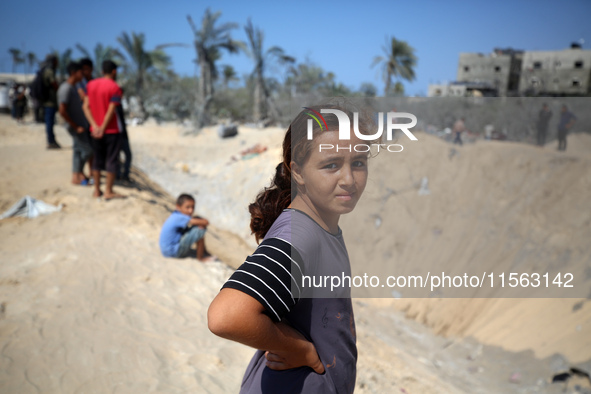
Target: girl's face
332, 181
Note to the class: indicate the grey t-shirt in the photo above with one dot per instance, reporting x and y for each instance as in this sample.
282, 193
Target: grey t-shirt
294, 247
68, 95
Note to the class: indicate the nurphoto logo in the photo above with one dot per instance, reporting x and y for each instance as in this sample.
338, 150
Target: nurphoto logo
392, 123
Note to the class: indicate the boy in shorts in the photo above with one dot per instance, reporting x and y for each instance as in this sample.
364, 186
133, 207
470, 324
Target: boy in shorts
181, 230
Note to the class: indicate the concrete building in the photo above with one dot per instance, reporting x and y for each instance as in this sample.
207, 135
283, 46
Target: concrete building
498, 71
556, 73
446, 90
509, 72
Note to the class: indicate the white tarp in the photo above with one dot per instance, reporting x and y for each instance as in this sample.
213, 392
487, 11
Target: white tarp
30, 208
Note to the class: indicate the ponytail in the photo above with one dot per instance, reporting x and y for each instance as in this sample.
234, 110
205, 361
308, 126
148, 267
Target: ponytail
270, 203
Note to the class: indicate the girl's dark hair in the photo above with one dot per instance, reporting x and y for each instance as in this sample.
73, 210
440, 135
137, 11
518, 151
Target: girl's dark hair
270, 202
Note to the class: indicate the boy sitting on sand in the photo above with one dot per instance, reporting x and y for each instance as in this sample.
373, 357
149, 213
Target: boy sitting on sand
181, 230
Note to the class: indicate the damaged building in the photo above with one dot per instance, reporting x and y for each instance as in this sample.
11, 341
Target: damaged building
510, 72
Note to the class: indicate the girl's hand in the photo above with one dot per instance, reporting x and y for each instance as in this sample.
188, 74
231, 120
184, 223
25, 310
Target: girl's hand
305, 356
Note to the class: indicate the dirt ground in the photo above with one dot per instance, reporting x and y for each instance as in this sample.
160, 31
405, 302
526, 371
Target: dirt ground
88, 304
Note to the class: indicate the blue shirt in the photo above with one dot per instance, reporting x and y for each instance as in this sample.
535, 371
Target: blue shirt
172, 230
565, 118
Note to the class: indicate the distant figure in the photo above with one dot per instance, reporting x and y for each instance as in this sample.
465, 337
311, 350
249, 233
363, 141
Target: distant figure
542, 126
70, 108
489, 129
459, 128
103, 96
123, 172
50, 102
20, 102
181, 230
567, 120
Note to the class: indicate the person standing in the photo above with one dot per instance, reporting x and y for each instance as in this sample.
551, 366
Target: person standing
566, 122
50, 100
103, 96
542, 126
70, 107
123, 173
459, 128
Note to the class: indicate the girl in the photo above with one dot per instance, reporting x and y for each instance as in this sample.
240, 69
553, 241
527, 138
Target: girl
306, 335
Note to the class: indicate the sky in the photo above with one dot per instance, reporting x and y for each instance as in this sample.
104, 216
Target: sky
340, 36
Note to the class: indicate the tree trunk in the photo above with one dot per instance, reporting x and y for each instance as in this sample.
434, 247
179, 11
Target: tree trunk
388, 82
204, 96
139, 89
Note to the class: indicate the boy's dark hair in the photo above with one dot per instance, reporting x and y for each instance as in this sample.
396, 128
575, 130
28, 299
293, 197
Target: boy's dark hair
183, 198
85, 61
72, 67
109, 66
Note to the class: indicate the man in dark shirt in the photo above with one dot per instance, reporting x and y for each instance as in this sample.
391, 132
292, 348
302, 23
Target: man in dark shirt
50, 102
542, 126
70, 107
567, 120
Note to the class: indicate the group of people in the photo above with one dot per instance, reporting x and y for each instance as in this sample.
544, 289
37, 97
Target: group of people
565, 124
94, 118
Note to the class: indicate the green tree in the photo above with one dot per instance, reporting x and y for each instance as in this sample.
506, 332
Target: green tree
399, 61
31, 61
261, 59
100, 54
62, 62
368, 89
308, 78
228, 75
17, 58
142, 61
209, 40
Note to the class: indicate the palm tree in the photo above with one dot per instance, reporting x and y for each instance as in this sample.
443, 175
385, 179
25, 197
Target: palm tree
17, 58
399, 62
261, 59
62, 62
31, 60
142, 61
101, 53
228, 75
208, 42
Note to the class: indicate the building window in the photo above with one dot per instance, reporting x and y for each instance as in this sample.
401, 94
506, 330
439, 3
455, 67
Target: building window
534, 81
557, 63
537, 65
466, 69
576, 83
437, 92
579, 64
498, 69
555, 80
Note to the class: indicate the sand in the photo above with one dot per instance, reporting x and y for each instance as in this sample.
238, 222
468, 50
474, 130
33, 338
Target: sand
88, 304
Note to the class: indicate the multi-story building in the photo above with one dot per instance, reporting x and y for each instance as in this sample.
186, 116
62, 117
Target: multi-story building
499, 71
509, 72
556, 73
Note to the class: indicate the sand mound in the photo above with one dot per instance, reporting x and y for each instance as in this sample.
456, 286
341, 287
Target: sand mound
492, 205
87, 304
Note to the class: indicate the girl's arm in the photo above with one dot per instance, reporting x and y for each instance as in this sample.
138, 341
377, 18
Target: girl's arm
239, 317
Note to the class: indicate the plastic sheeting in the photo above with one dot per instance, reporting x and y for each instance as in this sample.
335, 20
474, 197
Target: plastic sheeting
30, 208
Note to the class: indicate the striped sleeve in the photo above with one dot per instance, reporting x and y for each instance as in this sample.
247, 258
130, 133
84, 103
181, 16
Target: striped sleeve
271, 275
